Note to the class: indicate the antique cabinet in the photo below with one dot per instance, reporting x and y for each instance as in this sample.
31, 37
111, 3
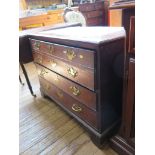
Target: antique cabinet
124, 141
81, 69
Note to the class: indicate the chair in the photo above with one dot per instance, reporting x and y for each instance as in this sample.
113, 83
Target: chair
20, 80
71, 16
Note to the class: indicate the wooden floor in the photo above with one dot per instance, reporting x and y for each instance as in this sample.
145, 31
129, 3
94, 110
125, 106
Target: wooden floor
45, 128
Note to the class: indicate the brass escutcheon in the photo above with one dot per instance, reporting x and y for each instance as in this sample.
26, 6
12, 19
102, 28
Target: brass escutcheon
76, 108
81, 56
56, 78
53, 63
43, 72
72, 72
75, 90
70, 54
59, 94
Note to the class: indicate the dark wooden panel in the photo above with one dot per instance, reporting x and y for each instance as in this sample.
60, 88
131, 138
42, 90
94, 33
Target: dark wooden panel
91, 6
99, 5
111, 83
130, 100
121, 146
95, 21
132, 35
71, 54
70, 103
82, 94
123, 142
86, 7
25, 53
92, 14
127, 13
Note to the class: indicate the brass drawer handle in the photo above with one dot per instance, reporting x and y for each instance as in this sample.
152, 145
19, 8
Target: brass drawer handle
76, 108
70, 54
81, 56
72, 72
59, 94
53, 63
43, 72
37, 45
75, 90
56, 78
47, 87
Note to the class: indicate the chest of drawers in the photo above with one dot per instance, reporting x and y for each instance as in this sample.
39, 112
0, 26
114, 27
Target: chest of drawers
81, 69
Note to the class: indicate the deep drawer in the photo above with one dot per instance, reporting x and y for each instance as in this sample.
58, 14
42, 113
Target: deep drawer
86, 114
78, 92
76, 55
81, 75
93, 14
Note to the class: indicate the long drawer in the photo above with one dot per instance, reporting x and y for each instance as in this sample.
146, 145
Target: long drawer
81, 75
94, 14
71, 54
78, 92
86, 114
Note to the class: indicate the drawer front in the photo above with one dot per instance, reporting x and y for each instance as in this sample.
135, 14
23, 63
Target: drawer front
93, 14
81, 75
99, 5
54, 17
95, 21
86, 7
71, 54
91, 6
86, 114
81, 94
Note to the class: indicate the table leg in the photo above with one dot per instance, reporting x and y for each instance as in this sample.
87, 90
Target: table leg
27, 79
20, 80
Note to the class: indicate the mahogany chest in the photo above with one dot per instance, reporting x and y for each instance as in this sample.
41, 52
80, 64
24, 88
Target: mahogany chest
81, 69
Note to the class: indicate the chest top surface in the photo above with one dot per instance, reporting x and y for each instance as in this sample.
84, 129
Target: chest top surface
93, 35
